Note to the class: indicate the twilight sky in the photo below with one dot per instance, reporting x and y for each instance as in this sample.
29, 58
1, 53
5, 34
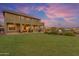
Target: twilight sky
55, 14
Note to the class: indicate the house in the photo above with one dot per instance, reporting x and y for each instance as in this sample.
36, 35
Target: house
15, 22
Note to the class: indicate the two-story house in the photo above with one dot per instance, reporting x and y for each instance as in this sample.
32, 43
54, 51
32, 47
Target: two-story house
19, 22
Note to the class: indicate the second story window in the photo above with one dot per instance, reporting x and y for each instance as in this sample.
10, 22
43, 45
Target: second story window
22, 17
27, 19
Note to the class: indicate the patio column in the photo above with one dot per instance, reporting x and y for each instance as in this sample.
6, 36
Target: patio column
21, 28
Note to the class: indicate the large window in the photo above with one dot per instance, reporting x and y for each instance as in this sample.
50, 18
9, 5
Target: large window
11, 27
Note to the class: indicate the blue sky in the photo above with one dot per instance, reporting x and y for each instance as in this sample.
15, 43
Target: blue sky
52, 14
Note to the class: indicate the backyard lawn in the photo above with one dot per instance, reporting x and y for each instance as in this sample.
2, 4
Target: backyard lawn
39, 44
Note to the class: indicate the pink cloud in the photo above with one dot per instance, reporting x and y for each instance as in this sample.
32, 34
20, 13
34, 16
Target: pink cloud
50, 23
46, 22
55, 23
55, 10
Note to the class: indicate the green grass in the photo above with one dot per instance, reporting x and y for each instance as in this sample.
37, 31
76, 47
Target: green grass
39, 44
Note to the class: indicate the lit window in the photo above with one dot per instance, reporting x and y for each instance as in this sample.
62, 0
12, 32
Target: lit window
11, 27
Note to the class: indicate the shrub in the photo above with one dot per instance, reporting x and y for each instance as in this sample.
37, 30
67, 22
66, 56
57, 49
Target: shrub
51, 31
69, 33
60, 31
54, 30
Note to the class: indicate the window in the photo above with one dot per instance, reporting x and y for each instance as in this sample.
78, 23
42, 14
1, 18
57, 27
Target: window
27, 19
22, 17
11, 27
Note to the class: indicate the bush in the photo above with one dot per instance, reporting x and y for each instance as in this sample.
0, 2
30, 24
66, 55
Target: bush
69, 33
58, 32
54, 30
51, 32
